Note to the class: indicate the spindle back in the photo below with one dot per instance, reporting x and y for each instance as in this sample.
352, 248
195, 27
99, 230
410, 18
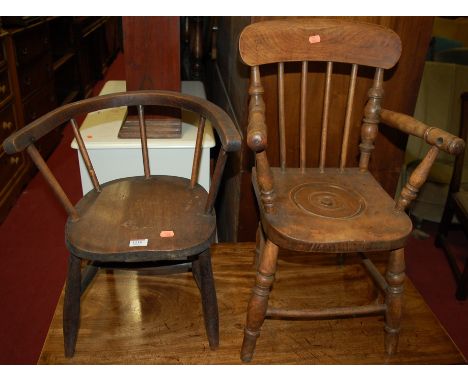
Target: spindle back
312, 40
228, 135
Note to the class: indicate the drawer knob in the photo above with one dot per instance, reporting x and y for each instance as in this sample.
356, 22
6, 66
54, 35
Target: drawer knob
25, 51
3, 89
7, 125
14, 160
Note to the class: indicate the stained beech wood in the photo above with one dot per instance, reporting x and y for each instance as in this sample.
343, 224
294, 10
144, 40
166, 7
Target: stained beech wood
144, 141
138, 208
434, 136
303, 114
325, 209
340, 41
293, 227
141, 220
281, 116
131, 317
52, 181
325, 113
35, 130
370, 122
85, 155
349, 110
197, 152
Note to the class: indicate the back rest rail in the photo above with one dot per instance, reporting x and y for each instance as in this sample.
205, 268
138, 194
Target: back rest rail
216, 180
349, 111
326, 106
144, 141
52, 181
197, 152
85, 156
281, 116
303, 152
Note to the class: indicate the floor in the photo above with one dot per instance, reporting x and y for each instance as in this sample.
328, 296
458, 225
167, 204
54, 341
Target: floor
34, 262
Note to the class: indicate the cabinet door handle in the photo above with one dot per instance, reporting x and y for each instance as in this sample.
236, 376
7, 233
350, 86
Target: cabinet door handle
3, 89
7, 125
14, 160
25, 51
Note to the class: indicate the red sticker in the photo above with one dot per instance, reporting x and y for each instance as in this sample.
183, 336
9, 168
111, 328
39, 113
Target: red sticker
167, 234
314, 39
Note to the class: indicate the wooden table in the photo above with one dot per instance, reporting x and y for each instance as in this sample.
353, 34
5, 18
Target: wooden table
131, 317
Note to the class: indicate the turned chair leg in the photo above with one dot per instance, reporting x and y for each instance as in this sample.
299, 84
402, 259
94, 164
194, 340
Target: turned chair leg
258, 303
203, 274
395, 278
260, 244
71, 305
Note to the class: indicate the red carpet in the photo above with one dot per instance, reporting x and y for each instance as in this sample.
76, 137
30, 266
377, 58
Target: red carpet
34, 258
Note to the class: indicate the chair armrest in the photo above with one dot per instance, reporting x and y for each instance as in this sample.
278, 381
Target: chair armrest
438, 138
434, 136
227, 132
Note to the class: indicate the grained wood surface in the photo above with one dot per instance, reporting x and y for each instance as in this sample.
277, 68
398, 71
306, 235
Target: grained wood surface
130, 318
332, 211
137, 208
319, 40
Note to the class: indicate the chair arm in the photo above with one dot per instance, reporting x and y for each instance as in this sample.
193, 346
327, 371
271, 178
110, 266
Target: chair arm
434, 136
256, 129
228, 134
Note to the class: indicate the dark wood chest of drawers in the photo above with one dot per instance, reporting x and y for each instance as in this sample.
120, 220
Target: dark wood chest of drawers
44, 63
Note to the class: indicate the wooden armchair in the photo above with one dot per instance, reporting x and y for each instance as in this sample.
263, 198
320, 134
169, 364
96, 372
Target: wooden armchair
456, 204
138, 219
333, 210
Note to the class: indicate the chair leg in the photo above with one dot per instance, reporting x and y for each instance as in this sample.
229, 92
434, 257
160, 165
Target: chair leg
203, 274
71, 305
444, 224
258, 303
260, 243
462, 287
395, 278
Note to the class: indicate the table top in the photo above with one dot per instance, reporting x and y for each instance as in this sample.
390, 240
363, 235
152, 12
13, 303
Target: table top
130, 317
100, 128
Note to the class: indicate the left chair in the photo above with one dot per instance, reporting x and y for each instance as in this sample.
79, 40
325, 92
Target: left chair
147, 218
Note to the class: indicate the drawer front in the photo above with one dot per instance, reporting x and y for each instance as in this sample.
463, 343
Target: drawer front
5, 90
14, 170
34, 75
7, 122
2, 53
30, 43
39, 104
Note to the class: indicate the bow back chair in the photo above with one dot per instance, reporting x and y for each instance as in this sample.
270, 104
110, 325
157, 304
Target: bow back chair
137, 219
329, 209
456, 205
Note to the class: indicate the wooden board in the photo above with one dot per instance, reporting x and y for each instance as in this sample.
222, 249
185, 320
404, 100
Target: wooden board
130, 318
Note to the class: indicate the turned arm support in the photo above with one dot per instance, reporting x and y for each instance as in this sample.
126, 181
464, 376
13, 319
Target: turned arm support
257, 139
437, 138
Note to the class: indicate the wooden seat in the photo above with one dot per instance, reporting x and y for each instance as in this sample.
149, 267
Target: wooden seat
456, 205
141, 219
339, 209
137, 208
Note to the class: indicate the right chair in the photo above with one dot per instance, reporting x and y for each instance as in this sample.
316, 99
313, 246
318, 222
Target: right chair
332, 210
456, 204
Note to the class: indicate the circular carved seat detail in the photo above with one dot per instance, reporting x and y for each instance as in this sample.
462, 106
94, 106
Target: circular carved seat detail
328, 200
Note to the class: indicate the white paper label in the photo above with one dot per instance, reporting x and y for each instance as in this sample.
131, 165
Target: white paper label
138, 243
